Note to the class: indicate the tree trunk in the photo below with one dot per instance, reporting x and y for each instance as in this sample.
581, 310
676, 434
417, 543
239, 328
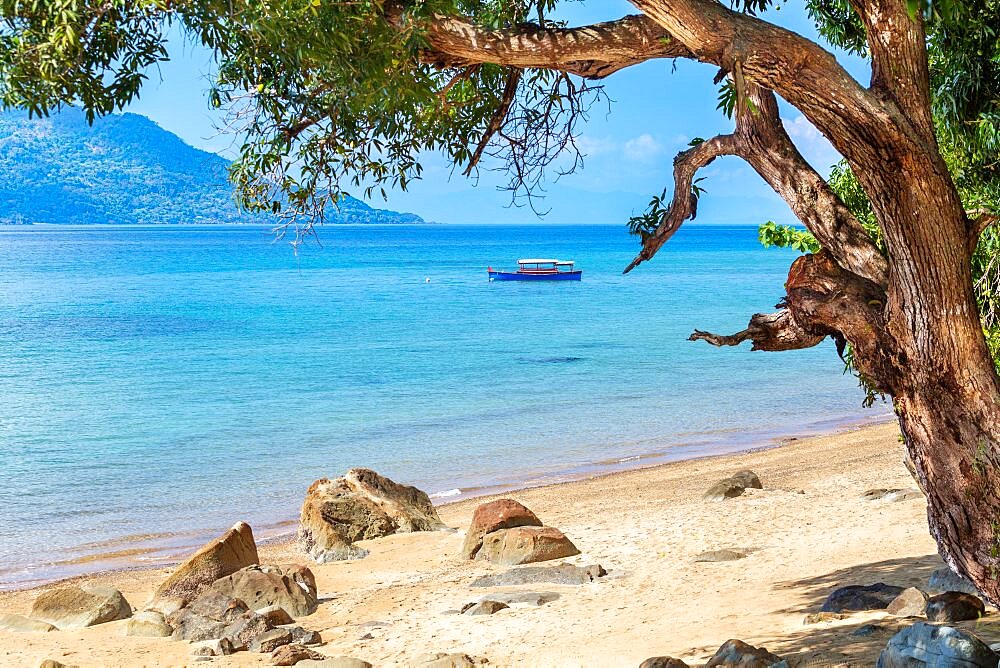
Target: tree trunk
939, 372
952, 438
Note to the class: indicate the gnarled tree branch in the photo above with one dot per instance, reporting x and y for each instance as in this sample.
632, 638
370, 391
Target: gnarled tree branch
825, 300
761, 140
592, 51
686, 165
767, 331
979, 221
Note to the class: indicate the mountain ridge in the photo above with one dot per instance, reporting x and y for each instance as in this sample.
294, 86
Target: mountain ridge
126, 169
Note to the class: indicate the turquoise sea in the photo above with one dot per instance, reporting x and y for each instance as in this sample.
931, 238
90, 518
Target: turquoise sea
161, 383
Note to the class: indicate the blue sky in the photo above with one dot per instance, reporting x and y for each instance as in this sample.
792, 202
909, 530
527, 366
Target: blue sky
657, 108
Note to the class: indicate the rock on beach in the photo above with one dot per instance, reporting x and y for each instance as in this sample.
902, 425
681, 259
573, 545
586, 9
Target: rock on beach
218, 558
494, 516
79, 607
361, 505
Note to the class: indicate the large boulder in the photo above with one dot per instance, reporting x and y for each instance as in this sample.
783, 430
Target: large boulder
21, 624
218, 558
911, 602
926, 645
954, 606
526, 545
856, 598
744, 655
79, 607
493, 516
359, 506
292, 588
558, 574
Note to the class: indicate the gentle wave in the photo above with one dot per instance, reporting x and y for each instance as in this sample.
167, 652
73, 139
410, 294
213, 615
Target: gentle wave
448, 493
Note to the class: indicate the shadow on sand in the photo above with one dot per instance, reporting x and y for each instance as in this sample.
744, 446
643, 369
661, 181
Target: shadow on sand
858, 639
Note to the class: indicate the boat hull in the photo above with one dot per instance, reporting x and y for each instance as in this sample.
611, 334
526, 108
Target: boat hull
515, 276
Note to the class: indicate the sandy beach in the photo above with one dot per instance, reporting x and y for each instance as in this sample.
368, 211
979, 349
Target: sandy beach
809, 532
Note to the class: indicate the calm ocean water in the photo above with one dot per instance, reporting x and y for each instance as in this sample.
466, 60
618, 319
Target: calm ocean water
159, 384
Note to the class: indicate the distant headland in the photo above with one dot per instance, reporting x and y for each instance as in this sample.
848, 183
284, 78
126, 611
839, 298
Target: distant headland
125, 169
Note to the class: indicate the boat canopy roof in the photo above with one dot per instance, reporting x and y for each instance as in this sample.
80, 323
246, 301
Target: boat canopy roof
544, 261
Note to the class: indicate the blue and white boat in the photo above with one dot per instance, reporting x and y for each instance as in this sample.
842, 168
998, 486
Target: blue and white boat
534, 269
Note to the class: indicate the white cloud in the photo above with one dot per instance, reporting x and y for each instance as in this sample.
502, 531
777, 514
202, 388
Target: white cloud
811, 144
643, 148
594, 146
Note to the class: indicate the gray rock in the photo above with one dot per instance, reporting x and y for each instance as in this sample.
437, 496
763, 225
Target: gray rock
856, 598
534, 598
944, 579
305, 636
739, 653
196, 628
75, 607
215, 605
275, 615
487, 607
21, 624
954, 606
268, 641
748, 479
559, 574
727, 488
911, 602
206, 618
148, 623
245, 629
926, 645
663, 662
442, 660
729, 554
215, 647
